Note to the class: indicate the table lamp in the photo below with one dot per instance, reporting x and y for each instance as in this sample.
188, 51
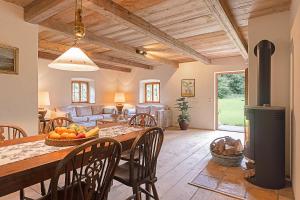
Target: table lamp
119, 100
43, 100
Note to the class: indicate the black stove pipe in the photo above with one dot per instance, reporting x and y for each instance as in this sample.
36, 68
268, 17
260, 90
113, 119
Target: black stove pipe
264, 50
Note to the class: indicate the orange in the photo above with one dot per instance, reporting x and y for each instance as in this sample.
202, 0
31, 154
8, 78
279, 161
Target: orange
54, 136
71, 136
60, 130
64, 135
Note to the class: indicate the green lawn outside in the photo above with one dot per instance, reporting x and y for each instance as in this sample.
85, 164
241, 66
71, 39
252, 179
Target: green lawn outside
231, 111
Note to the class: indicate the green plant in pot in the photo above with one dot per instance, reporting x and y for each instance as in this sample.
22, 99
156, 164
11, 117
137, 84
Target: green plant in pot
184, 116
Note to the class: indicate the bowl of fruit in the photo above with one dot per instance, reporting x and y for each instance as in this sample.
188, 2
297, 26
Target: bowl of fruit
70, 136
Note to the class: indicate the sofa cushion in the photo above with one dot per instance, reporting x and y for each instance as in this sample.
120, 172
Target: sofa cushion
95, 117
109, 110
80, 119
143, 109
97, 109
84, 111
67, 109
107, 116
131, 111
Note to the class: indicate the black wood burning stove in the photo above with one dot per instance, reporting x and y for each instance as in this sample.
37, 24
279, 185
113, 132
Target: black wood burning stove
265, 127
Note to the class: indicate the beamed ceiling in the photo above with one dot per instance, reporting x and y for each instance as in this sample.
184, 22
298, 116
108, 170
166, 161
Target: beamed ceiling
171, 31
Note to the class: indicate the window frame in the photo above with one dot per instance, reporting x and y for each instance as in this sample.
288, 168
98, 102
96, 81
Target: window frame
88, 91
152, 86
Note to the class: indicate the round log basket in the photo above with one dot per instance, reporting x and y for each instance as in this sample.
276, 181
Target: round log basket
68, 142
227, 161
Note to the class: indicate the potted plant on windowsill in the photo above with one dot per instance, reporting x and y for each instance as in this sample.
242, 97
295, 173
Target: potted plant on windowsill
184, 116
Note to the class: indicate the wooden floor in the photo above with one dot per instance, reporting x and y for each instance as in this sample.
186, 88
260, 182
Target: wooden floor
184, 154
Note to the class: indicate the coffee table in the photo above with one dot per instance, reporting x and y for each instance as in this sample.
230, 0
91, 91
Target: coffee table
114, 120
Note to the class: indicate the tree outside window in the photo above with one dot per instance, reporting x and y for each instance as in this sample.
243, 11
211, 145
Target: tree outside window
80, 92
152, 92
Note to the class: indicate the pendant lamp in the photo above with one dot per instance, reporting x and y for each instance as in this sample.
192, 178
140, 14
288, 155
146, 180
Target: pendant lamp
75, 59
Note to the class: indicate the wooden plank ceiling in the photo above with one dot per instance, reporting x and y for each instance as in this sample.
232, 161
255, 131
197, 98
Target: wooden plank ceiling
171, 31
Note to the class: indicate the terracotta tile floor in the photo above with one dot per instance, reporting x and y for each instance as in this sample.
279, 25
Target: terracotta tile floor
231, 181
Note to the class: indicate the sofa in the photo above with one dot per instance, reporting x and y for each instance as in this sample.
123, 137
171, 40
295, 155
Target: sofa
87, 115
161, 113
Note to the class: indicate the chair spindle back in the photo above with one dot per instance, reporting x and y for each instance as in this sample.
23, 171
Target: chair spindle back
10, 132
143, 119
88, 171
147, 146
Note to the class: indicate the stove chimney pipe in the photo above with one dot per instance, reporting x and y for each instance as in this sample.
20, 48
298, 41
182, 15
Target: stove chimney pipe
264, 50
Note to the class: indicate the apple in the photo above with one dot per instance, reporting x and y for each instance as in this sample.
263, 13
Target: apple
80, 135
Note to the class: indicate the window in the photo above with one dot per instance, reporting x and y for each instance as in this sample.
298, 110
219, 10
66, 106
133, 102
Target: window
152, 92
80, 92
149, 91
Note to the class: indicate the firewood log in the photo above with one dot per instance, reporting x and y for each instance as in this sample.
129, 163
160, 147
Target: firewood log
249, 173
229, 152
250, 165
238, 145
219, 147
230, 141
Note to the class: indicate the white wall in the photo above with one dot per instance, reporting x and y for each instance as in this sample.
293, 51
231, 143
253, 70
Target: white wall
58, 84
18, 99
275, 28
295, 101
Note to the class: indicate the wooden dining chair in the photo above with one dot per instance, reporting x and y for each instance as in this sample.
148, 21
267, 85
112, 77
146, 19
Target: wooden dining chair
134, 173
57, 122
143, 120
86, 173
11, 132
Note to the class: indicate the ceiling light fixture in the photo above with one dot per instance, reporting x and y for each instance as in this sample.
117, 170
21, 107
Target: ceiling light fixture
75, 59
141, 52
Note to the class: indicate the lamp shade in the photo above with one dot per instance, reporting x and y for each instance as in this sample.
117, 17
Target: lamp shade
119, 97
44, 99
74, 60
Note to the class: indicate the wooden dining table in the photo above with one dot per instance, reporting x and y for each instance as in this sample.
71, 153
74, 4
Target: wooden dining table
24, 173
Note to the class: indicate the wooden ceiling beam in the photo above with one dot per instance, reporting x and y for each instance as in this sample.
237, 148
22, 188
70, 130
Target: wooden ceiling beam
52, 56
46, 45
116, 12
223, 15
67, 30
112, 67
47, 55
102, 56
40, 10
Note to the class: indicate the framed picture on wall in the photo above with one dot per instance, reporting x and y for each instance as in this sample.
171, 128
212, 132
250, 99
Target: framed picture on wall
9, 59
188, 87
